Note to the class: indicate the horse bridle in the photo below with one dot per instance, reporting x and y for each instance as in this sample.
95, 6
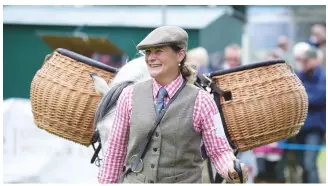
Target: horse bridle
95, 158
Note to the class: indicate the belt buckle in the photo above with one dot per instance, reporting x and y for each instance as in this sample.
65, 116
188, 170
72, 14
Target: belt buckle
140, 164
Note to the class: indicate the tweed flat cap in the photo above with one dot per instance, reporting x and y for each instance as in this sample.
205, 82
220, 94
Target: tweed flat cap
165, 35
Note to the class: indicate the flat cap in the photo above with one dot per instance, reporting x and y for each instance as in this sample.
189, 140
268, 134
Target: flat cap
165, 35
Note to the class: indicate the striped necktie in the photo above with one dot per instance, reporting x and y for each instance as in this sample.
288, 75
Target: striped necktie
162, 93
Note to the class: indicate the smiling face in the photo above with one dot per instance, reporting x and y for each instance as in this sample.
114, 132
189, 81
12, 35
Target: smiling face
163, 63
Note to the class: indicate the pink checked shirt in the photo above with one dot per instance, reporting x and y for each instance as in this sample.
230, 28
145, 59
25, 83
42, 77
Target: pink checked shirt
217, 148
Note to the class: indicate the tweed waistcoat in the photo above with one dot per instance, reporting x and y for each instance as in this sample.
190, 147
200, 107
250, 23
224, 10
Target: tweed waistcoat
173, 154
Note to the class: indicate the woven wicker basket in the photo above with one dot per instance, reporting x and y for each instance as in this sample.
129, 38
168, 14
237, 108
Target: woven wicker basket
63, 97
269, 103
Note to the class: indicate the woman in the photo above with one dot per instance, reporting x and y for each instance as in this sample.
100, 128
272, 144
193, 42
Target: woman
173, 154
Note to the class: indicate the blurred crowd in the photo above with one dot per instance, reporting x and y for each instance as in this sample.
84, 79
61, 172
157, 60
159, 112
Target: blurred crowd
309, 61
277, 162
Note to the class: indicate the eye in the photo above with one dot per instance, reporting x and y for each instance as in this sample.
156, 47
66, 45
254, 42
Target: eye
158, 51
147, 52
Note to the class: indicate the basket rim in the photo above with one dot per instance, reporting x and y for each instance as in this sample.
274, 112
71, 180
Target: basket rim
86, 60
246, 67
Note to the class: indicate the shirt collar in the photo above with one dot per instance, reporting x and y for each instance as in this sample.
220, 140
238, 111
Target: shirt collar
171, 88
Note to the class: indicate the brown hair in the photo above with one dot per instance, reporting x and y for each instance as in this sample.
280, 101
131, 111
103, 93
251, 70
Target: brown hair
185, 71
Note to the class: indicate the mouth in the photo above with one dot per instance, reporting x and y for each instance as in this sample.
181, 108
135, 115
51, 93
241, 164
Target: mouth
154, 65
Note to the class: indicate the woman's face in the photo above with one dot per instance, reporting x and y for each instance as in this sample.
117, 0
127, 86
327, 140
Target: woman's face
163, 62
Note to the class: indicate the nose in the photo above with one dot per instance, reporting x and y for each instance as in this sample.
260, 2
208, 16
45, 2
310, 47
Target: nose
151, 57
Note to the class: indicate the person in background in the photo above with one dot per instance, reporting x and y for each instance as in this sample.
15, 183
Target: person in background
313, 78
197, 58
232, 56
298, 51
292, 166
283, 43
318, 40
282, 50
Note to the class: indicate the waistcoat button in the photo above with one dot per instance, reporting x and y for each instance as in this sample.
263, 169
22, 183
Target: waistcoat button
156, 134
155, 149
152, 165
151, 181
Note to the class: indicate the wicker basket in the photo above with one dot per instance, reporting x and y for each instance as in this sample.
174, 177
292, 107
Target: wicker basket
63, 97
269, 103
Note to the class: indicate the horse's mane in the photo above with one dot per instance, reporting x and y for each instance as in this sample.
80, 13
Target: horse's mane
132, 72
109, 100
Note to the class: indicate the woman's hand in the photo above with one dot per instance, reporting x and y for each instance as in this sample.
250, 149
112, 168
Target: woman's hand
233, 174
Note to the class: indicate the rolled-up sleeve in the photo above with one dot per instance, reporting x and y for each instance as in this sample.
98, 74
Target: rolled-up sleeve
217, 146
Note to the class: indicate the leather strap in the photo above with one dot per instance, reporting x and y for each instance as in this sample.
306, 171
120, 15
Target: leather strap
143, 146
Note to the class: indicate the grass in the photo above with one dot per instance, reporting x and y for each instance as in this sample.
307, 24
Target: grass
321, 162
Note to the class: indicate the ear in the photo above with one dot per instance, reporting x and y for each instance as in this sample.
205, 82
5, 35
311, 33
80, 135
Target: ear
181, 55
